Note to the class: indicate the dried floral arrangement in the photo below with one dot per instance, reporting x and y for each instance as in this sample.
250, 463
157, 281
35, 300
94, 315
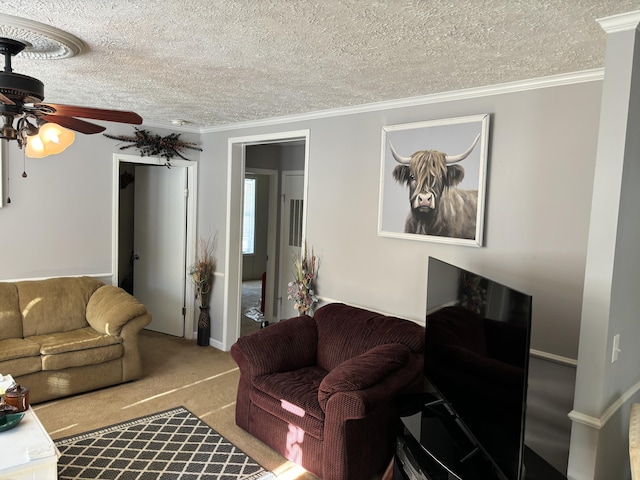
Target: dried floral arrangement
301, 290
202, 270
151, 145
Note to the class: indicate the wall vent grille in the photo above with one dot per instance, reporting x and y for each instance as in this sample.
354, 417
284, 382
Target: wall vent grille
295, 223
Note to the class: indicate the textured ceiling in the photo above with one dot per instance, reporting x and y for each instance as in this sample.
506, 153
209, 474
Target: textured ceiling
217, 62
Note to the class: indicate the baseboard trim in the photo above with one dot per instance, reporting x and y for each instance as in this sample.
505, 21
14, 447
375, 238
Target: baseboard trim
212, 342
598, 423
552, 357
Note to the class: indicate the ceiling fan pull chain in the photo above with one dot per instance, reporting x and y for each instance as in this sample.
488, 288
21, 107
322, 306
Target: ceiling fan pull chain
24, 163
8, 180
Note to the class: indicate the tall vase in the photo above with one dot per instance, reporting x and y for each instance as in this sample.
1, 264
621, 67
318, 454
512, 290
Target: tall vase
204, 327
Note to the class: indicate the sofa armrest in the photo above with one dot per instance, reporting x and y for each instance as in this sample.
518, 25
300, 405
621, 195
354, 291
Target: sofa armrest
132, 361
280, 347
110, 308
364, 371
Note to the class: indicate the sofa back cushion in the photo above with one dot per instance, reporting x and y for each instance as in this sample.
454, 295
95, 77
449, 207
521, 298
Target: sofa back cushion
345, 332
10, 318
55, 304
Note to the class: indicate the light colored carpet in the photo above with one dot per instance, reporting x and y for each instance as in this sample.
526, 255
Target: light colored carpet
176, 372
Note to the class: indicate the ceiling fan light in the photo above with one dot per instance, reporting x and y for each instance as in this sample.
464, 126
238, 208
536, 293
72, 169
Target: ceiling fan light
35, 147
51, 140
54, 133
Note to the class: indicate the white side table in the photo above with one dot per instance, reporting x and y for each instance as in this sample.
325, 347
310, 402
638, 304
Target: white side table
27, 452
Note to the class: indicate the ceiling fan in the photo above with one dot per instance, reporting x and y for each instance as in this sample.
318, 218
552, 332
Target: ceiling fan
23, 113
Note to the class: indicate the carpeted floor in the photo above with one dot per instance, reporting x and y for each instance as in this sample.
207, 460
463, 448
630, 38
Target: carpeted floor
250, 306
169, 445
176, 372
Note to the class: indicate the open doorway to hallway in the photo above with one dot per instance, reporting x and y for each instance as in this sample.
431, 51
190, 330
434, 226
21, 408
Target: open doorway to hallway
267, 224
259, 207
277, 152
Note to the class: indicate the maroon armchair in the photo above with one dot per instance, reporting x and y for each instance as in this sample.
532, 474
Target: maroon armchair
320, 390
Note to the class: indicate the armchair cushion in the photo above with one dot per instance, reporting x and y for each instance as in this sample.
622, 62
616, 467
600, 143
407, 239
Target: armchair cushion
364, 370
292, 396
345, 331
284, 346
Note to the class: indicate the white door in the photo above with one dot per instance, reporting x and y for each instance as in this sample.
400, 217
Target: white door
291, 235
159, 245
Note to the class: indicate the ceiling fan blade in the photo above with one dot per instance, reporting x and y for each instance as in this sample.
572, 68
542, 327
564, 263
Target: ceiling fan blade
74, 124
6, 100
120, 116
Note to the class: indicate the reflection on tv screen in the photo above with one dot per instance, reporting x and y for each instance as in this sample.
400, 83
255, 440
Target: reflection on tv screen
476, 358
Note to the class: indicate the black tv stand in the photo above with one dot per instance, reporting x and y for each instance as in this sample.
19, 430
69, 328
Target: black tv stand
416, 459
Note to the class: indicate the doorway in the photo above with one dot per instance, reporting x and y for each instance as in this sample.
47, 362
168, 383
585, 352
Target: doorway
259, 237
154, 237
235, 193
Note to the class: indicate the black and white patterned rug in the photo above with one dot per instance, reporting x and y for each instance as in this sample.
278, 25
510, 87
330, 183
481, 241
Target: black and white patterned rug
169, 445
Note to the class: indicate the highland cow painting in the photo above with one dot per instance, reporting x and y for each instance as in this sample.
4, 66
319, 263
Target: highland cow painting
433, 180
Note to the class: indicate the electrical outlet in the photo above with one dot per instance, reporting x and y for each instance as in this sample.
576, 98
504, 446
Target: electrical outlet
616, 348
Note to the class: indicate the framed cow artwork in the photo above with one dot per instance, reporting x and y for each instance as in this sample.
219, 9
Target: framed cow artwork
433, 180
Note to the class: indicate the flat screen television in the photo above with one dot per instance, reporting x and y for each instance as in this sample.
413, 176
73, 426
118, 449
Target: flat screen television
477, 339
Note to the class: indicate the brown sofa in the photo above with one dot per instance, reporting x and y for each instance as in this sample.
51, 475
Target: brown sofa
63, 336
320, 390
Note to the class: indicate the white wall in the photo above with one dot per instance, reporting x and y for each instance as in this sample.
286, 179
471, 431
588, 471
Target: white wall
59, 219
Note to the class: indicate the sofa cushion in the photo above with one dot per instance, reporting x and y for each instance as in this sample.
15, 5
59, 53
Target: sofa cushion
11, 348
77, 348
55, 304
110, 308
73, 341
19, 356
80, 347
81, 358
293, 397
10, 318
364, 370
21, 366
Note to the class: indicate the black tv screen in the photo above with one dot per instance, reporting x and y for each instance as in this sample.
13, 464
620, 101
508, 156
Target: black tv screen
477, 339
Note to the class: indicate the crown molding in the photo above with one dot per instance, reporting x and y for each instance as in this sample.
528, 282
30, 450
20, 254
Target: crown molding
499, 89
620, 23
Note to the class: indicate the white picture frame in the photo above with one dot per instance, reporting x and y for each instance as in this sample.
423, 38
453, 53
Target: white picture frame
424, 219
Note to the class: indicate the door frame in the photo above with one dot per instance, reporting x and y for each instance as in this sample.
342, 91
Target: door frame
190, 227
235, 193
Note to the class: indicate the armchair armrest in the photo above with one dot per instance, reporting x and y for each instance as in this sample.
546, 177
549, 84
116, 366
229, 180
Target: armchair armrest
364, 371
281, 347
110, 308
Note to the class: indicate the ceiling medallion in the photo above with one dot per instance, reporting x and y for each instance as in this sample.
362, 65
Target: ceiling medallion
42, 41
